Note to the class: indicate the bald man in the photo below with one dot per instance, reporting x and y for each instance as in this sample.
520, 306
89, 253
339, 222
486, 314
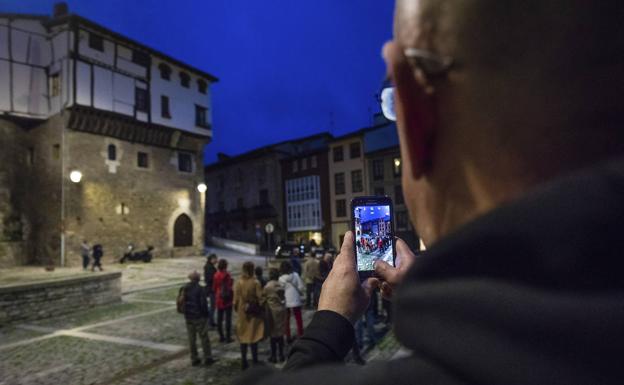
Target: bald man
512, 139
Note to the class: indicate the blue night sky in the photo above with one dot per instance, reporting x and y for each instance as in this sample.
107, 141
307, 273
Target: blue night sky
370, 213
287, 68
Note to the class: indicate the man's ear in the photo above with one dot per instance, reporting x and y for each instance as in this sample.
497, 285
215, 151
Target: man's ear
416, 114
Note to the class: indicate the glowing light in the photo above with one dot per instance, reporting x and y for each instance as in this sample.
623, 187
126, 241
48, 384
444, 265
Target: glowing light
202, 188
75, 176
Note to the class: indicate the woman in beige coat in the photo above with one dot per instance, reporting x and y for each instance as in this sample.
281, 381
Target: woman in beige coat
248, 304
276, 314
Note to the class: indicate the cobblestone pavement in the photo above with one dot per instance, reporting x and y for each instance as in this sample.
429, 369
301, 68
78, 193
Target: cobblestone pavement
141, 340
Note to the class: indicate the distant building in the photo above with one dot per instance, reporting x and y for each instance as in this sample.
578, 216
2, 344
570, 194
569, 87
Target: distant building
306, 188
245, 195
348, 178
76, 97
383, 164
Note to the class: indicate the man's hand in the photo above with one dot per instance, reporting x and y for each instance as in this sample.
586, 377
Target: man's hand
342, 292
392, 276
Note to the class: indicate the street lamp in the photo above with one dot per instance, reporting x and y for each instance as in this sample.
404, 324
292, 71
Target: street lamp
75, 176
202, 188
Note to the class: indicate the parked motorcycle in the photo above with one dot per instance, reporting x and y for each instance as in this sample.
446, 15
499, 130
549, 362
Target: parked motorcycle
138, 256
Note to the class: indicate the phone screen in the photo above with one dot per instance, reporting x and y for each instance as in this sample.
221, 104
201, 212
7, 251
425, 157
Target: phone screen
373, 235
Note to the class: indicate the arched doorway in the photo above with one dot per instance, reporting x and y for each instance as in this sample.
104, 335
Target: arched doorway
183, 231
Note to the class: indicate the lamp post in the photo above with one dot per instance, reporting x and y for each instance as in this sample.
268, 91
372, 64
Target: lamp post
75, 176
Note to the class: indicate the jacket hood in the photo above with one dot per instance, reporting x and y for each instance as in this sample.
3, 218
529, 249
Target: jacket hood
532, 292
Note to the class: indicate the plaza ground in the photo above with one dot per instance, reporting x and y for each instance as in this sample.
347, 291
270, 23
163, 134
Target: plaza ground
141, 340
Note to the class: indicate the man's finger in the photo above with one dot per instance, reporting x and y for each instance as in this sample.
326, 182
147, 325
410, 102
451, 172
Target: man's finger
386, 290
369, 285
346, 258
385, 271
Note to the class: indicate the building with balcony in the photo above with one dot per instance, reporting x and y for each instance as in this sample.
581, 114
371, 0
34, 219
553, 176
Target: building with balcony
77, 98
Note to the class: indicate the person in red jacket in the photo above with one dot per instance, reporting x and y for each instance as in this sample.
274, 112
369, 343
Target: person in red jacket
222, 287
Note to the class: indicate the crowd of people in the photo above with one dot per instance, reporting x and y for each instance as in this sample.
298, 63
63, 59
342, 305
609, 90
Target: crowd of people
376, 244
263, 307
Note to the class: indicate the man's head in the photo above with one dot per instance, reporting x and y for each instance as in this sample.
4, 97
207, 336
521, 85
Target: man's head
533, 92
212, 259
194, 276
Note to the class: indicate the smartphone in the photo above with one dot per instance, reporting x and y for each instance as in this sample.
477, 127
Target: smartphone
373, 231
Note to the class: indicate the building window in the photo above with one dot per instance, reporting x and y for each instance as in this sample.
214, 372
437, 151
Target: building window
341, 208
295, 165
112, 152
396, 167
164, 107
354, 150
338, 154
141, 99
202, 86
96, 42
201, 116
185, 80
356, 181
380, 191
165, 71
339, 183
401, 220
185, 162
55, 84
304, 164
264, 197
140, 58
142, 160
313, 162
378, 169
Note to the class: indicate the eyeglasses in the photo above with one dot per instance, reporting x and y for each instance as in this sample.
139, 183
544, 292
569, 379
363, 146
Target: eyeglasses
429, 64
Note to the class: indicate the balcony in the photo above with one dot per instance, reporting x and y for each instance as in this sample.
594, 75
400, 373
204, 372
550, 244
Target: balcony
263, 212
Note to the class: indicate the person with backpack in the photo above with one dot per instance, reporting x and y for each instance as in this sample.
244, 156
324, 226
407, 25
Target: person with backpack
276, 324
222, 286
192, 303
249, 306
293, 292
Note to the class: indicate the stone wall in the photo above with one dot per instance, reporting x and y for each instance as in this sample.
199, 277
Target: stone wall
53, 298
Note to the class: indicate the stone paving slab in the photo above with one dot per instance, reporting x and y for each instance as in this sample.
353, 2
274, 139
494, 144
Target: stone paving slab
10, 334
69, 360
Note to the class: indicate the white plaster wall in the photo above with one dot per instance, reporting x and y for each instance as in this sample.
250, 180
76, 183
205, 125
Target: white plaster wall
4, 41
103, 83
107, 57
5, 102
182, 100
124, 62
83, 79
123, 93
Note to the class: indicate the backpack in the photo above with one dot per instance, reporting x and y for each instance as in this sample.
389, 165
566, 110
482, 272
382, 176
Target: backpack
226, 293
181, 300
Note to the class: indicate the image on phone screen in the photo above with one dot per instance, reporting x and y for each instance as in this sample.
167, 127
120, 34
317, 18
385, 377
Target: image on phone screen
373, 236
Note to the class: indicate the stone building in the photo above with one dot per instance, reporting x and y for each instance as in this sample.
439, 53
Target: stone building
306, 187
125, 122
348, 178
383, 164
245, 194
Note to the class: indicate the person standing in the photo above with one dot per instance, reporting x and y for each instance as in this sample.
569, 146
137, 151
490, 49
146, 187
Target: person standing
222, 286
274, 294
248, 304
293, 287
196, 316
209, 272
311, 274
85, 250
259, 276
295, 260
98, 253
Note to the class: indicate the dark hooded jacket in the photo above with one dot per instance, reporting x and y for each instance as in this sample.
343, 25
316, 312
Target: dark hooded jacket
531, 293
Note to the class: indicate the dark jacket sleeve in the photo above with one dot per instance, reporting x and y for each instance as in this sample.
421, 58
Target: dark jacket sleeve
328, 338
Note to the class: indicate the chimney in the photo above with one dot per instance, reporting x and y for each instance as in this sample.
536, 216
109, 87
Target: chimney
60, 9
